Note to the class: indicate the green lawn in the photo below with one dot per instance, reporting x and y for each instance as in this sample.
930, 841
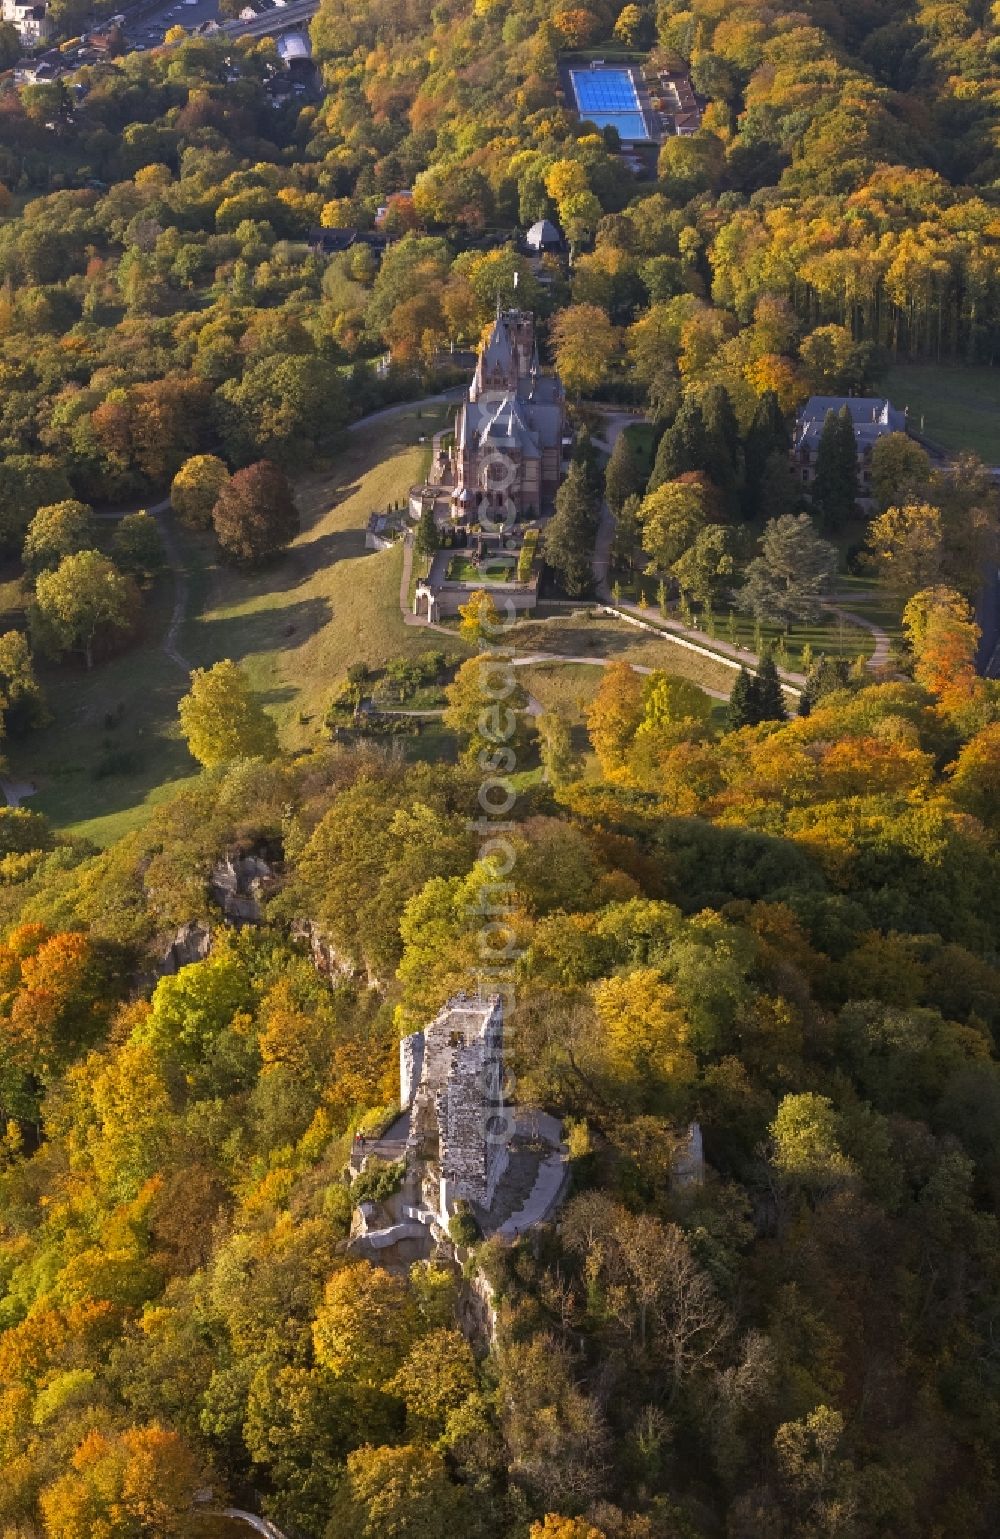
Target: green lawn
829, 634
496, 569
954, 405
114, 748
641, 440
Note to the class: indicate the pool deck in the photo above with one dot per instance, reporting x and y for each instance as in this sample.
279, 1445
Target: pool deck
633, 67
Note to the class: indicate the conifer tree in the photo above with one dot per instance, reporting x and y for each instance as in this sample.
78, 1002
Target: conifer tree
770, 699
768, 435
427, 539
569, 536
723, 457
835, 485
622, 475
683, 447
744, 710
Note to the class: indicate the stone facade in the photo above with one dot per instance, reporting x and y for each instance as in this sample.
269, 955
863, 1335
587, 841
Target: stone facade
509, 433
451, 1080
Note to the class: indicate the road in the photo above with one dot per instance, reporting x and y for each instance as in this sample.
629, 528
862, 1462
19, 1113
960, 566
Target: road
149, 30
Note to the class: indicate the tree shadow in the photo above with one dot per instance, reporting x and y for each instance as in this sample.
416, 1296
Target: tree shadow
272, 629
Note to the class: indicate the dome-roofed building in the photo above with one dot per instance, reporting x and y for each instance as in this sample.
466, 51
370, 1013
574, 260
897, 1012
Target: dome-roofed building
543, 236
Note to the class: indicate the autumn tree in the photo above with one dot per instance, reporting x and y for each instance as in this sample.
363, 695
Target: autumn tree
975, 775
486, 708
143, 1479
901, 470
222, 720
613, 716
480, 618
944, 638
86, 602
906, 546
672, 516
584, 343
61, 529
195, 489
437, 1375
255, 515
404, 1490
367, 1323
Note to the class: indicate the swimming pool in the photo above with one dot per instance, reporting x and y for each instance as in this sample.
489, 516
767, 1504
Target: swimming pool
608, 98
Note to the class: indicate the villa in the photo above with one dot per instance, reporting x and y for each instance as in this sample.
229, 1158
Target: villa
872, 416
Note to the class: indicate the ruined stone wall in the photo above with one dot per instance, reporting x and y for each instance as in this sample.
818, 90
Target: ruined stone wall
411, 1062
457, 1098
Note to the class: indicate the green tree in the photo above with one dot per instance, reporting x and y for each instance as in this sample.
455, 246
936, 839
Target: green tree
901, 470
683, 447
221, 719
744, 706
84, 602
704, 569
672, 517
426, 540
486, 708
767, 436
770, 699
27, 483
21, 698
785, 582
568, 541
623, 477
137, 546
61, 529
559, 760
806, 1141
834, 487
627, 537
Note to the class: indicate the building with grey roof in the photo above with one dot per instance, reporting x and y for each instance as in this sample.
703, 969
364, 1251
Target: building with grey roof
872, 416
509, 432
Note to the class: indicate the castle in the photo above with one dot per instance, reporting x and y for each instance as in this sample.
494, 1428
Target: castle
509, 434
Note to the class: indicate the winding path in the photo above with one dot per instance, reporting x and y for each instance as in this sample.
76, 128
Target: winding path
880, 654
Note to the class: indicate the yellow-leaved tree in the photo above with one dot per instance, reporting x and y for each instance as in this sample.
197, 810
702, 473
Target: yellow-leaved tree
222, 720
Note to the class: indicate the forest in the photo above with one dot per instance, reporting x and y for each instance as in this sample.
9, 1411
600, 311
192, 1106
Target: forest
782, 927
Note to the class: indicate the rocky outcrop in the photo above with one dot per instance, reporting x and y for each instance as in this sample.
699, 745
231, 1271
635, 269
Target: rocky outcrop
191, 943
238, 883
325, 956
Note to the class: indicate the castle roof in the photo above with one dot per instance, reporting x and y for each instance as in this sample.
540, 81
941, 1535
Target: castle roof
872, 416
498, 353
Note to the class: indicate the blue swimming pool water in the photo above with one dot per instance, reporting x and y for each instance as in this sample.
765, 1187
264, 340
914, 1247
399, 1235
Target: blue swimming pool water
608, 96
